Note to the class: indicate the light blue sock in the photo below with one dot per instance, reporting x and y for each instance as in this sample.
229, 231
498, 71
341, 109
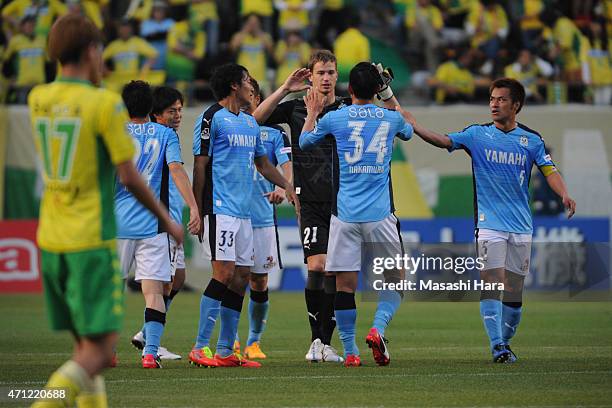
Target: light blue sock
258, 315
227, 333
345, 321
388, 303
511, 317
491, 313
209, 311
167, 301
154, 328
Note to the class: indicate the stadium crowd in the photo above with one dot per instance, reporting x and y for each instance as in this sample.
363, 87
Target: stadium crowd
559, 49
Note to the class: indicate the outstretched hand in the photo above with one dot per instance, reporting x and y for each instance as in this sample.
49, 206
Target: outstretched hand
570, 206
295, 81
315, 102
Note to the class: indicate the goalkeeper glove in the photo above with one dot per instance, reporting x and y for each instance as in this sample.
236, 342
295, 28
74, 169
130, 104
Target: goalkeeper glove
386, 76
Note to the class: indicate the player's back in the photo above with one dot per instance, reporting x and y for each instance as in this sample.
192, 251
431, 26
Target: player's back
79, 133
156, 146
364, 138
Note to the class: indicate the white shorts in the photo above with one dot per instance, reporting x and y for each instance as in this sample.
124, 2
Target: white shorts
177, 256
346, 239
267, 254
228, 238
508, 250
151, 257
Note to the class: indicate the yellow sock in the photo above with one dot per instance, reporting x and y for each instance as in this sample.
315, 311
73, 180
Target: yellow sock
95, 398
71, 378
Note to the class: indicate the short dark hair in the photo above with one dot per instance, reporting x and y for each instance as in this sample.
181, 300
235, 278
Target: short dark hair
224, 77
321, 56
364, 80
256, 88
70, 36
138, 99
517, 90
163, 98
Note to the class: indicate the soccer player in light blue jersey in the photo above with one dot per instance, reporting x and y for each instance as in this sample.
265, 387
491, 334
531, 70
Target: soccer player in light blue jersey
503, 153
168, 111
227, 148
364, 135
141, 239
265, 234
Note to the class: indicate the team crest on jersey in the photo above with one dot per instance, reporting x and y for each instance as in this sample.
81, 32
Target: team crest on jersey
270, 262
524, 141
264, 135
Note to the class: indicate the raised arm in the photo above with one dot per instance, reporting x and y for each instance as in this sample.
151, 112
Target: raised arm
293, 83
431, 137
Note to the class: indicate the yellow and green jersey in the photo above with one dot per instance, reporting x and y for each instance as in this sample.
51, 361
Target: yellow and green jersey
290, 58
30, 59
45, 14
260, 7
204, 11
80, 135
126, 54
293, 19
430, 13
252, 56
487, 23
451, 73
333, 4
350, 48
571, 41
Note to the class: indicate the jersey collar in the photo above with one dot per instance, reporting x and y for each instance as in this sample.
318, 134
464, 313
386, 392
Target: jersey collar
73, 80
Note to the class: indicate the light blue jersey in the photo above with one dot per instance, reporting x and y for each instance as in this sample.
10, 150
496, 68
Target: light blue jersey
278, 149
176, 202
156, 147
231, 142
364, 138
501, 164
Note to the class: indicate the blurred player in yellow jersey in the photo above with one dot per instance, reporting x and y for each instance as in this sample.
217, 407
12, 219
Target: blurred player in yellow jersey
81, 140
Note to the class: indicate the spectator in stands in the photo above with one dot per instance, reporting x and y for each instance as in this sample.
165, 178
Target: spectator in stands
43, 11
528, 13
331, 22
205, 14
24, 59
424, 24
262, 8
92, 9
290, 54
351, 47
454, 13
567, 43
293, 16
155, 30
597, 71
122, 57
252, 46
453, 81
531, 71
186, 47
487, 25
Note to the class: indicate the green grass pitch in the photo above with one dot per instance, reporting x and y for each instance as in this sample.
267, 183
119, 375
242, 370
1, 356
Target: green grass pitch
439, 357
